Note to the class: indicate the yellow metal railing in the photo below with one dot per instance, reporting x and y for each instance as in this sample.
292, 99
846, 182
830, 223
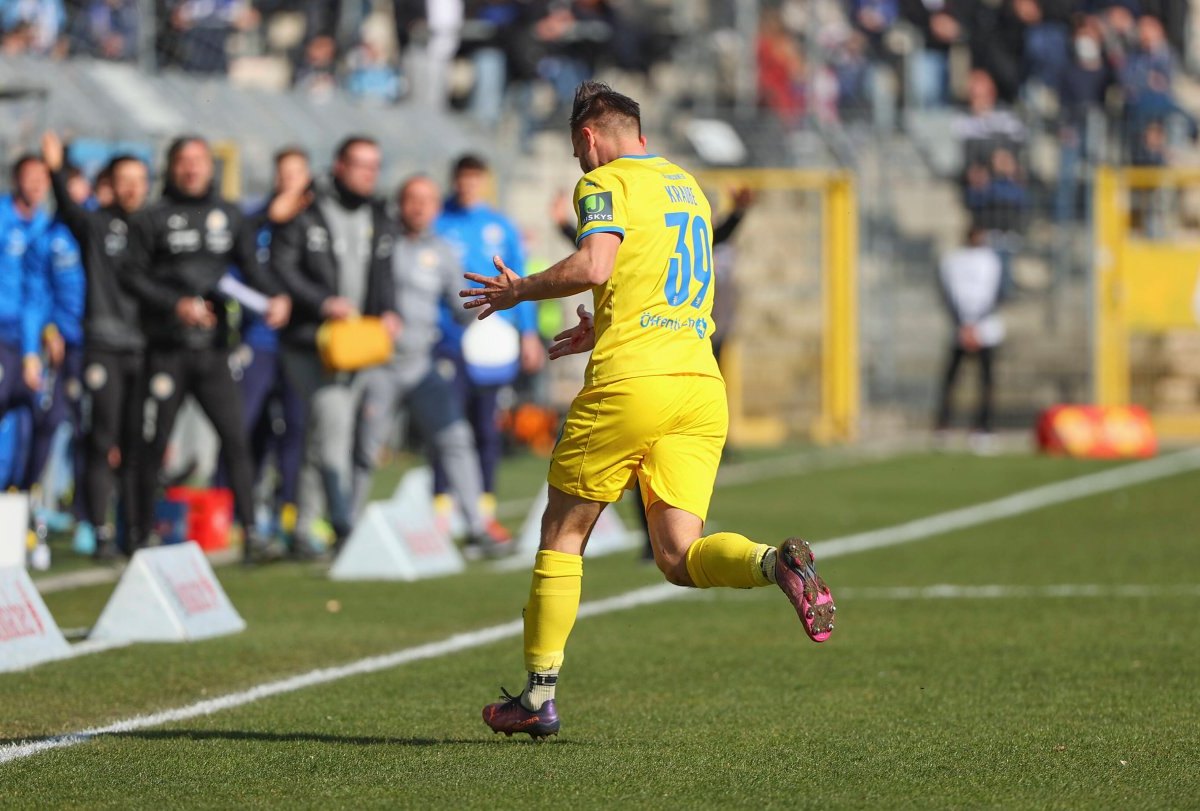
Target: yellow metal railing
1140, 284
838, 418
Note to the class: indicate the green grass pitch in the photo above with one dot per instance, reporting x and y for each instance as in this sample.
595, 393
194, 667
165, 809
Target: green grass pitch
715, 700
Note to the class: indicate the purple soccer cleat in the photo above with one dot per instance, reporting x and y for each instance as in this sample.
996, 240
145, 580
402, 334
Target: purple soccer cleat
796, 574
509, 715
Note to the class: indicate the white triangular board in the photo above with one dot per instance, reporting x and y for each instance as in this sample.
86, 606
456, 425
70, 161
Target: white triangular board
167, 594
393, 542
14, 523
28, 634
608, 536
414, 494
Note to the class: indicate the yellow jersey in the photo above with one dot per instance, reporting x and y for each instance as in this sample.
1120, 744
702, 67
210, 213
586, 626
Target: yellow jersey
654, 314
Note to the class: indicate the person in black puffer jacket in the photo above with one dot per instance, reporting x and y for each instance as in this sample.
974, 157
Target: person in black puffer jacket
334, 260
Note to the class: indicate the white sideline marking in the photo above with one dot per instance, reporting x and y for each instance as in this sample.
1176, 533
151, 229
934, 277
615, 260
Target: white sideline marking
949, 592
371, 664
1015, 504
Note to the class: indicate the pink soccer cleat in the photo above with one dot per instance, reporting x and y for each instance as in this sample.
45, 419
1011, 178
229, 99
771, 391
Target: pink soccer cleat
796, 574
509, 715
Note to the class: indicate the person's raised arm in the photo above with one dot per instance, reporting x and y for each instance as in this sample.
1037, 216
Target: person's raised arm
73, 215
588, 267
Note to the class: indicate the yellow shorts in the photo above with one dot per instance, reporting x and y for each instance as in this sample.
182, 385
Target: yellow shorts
666, 432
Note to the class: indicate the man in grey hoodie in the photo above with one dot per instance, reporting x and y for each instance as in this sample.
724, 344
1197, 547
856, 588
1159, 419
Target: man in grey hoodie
426, 272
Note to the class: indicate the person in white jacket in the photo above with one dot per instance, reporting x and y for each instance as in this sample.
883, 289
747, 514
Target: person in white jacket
970, 278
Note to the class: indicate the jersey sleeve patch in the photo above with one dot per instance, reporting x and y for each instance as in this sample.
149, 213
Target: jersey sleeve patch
597, 207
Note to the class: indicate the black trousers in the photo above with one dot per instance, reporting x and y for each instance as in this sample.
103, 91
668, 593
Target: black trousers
170, 375
111, 434
983, 417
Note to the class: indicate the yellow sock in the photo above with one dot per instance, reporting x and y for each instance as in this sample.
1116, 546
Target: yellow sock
487, 504
550, 612
726, 559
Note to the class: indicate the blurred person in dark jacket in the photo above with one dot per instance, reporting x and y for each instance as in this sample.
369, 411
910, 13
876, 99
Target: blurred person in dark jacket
180, 248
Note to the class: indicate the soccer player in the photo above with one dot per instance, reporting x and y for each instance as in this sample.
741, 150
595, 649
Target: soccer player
652, 411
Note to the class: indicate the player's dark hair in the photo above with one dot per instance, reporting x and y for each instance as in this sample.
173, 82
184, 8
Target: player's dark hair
469, 163
74, 172
109, 168
351, 141
290, 151
19, 163
596, 102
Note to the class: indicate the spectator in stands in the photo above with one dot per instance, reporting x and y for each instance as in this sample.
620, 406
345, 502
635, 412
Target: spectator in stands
782, 71
1146, 78
995, 36
429, 65
987, 126
427, 276
272, 410
874, 19
370, 74
22, 298
113, 346
1085, 80
492, 39
334, 259
940, 25
999, 202
199, 30
317, 73
1149, 67
479, 232
180, 249
970, 282
1047, 39
31, 26
106, 29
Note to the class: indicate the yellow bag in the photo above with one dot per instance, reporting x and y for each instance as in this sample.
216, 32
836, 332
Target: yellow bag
353, 344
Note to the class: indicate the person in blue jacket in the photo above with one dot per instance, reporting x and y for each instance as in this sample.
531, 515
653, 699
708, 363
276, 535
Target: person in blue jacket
262, 380
478, 232
22, 295
54, 256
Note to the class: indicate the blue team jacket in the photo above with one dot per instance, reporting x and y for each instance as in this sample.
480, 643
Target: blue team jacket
255, 332
22, 296
477, 235
53, 259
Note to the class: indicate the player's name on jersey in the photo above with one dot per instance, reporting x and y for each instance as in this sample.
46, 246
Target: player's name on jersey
681, 194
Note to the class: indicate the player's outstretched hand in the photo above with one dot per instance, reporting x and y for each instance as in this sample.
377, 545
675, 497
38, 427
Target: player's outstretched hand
498, 292
579, 338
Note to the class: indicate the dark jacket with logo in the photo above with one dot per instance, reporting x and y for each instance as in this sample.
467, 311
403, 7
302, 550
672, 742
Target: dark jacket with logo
181, 246
111, 311
303, 260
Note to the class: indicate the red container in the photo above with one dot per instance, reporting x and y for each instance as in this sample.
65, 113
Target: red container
210, 515
1096, 432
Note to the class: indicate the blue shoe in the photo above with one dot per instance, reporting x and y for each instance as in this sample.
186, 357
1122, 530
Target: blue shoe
56, 520
84, 542
509, 715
